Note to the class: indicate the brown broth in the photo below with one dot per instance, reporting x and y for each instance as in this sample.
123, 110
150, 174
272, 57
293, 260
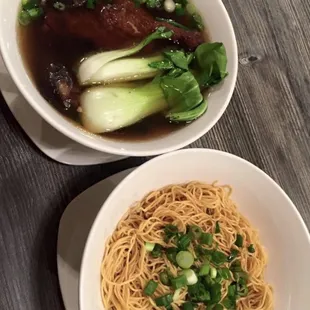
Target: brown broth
40, 48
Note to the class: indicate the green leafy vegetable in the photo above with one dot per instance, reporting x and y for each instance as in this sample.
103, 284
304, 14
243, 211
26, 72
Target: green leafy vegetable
164, 64
198, 293
178, 58
215, 292
150, 288
109, 108
195, 232
182, 93
211, 60
94, 64
217, 228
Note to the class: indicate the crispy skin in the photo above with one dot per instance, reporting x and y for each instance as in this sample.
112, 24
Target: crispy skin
114, 25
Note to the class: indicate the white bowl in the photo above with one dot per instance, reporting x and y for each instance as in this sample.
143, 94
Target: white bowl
259, 198
220, 29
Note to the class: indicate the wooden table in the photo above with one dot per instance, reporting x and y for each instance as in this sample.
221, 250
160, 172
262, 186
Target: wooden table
267, 123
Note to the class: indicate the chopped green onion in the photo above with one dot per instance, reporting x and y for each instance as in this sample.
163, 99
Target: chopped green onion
29, 4
59, 6
184, 242
229, 303
217, 228
176, 294
240, 275
24, 18
218, 278
91, 4
35, 13
213, 273
242, 290
164, 301
150, 288
171, 254
204, 270
179, 281
239, 241
195, 231
185, 259
215, 292
164, 278
218, 307
219, 258
233, 254
232, 290
191, 276
157, 251
149, 247
198, 293
235, 266
170, 231
225, 273
179, 10
188, 306
172, 22
206, 238
251, 248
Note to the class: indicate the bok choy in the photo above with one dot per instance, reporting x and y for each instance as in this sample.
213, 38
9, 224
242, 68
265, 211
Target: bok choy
109, 108
176, 90
92, 66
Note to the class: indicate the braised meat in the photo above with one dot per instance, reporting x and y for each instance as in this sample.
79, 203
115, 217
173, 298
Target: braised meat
112, 26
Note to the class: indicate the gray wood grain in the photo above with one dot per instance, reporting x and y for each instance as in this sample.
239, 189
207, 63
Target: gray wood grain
267, 123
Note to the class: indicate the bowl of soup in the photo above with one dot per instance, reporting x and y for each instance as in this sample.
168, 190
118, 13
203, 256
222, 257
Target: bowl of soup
126, 77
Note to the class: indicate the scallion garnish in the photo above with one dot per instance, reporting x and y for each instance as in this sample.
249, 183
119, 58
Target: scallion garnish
204, 270
233, 254
215, 292
171, 254
35, 12
218, 258
185, 259
251, 248
149, 247
225, 273
157, 251
195, 232
218, 307
206, 238
176, 295
184, 242
170, 232
164, 278
24, 18
150, 288
217, 228
59, 6
172, 22
239, 241
179, 281
213, 273
188, 306
191, 276
164, 301
91, 4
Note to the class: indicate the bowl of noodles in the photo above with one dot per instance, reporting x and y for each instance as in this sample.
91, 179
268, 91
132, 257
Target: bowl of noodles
196, 229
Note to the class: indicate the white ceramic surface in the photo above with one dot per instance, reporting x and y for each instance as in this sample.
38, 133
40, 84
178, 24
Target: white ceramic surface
220, 29
259, 198
49, 140
73, 231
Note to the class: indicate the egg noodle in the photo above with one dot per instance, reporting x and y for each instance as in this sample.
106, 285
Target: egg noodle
127, 266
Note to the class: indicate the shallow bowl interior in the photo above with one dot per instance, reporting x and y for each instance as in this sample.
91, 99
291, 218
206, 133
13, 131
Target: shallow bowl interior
259, 198
220, 28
